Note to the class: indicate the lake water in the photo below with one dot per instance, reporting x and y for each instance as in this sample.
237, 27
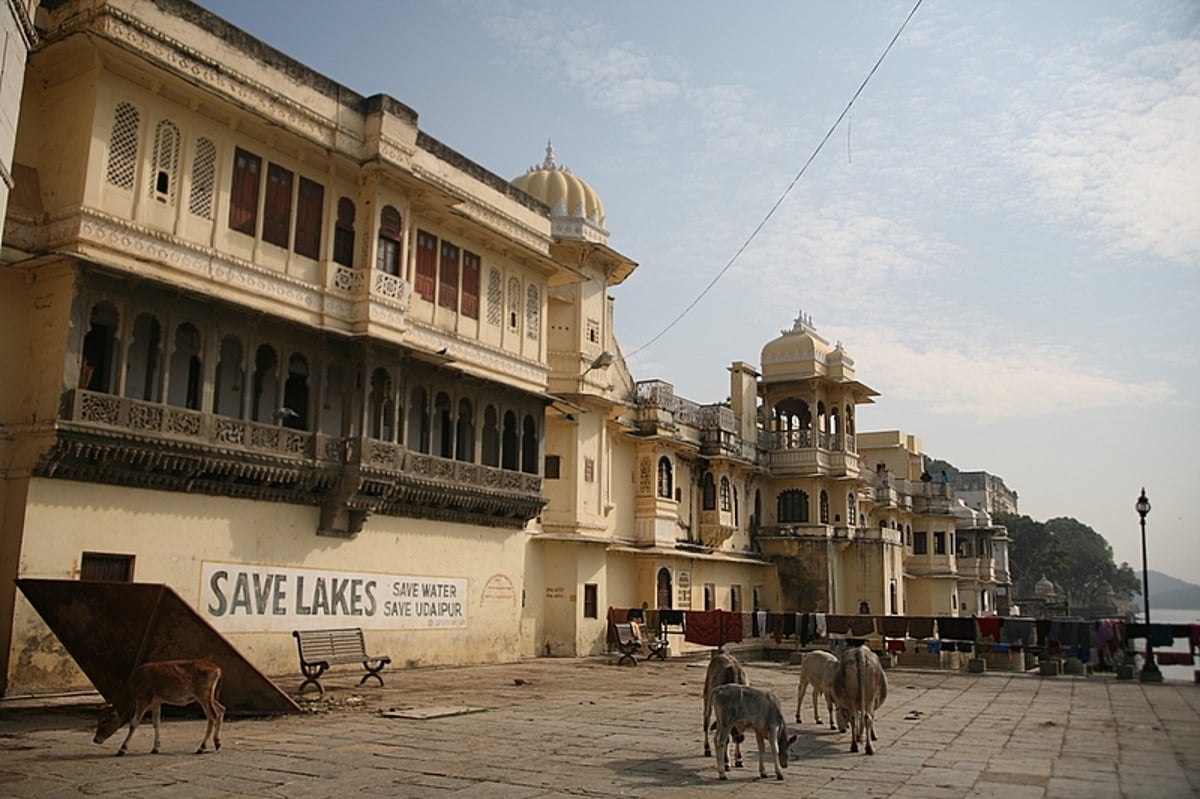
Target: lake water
1173, 616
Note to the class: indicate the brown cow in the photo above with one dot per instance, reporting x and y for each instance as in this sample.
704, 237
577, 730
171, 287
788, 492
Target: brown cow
172, 682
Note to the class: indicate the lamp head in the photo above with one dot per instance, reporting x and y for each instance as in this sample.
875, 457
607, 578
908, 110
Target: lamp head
603, 360
1143, 504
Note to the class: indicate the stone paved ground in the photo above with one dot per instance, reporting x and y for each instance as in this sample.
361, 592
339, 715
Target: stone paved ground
587, 728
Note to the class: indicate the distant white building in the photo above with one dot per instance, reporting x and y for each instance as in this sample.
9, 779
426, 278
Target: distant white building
985, 492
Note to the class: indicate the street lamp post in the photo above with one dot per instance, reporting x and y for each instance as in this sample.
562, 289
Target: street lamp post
1150, 672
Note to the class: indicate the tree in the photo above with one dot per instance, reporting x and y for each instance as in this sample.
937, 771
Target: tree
1068, 552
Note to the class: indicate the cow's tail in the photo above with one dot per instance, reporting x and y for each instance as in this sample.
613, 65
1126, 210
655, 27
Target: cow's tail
860, 666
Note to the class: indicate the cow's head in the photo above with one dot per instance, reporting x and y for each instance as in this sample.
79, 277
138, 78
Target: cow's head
109, 722
843, 719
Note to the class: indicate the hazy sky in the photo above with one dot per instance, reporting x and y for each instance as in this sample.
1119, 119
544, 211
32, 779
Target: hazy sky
1004, 233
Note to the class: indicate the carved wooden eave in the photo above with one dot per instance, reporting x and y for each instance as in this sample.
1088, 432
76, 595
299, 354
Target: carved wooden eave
118, 441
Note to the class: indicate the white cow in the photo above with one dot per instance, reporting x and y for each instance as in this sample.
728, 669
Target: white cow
859, 688
740, 707
818, 670
723, 669
171, 682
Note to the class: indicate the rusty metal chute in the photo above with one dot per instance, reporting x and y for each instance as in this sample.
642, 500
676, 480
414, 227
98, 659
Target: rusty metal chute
110, 628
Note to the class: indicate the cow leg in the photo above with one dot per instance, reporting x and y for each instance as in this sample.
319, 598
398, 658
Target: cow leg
762, 766
722, 744
800, 700
775, 736
210, 715
156, 717
869, 723
134, 720
219, 713
707, 717
829, 710
816, 705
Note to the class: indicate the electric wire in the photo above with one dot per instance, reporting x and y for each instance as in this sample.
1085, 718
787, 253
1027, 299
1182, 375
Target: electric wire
753, 235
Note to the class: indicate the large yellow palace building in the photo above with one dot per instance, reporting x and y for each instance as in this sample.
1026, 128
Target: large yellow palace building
272, 345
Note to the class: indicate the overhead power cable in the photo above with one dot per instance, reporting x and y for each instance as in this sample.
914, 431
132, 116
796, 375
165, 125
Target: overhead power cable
788, 190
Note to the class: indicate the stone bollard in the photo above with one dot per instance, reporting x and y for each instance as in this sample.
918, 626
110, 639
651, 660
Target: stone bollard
1049, 667
977, 665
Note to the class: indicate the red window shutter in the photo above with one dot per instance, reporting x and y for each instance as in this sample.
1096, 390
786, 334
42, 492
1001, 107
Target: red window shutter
470, 285
426, 265
277, 210
243, 195
448, 296
309, 210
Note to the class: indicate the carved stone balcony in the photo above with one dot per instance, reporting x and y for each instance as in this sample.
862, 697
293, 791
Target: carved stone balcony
108, 439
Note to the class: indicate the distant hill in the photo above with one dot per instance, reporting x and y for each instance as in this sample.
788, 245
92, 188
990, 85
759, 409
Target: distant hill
1171, 592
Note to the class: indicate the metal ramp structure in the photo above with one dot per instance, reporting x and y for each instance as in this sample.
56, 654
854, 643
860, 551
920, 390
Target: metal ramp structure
110, 628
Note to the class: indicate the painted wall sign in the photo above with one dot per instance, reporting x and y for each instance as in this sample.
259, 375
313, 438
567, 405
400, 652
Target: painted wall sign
237, 597
498, 588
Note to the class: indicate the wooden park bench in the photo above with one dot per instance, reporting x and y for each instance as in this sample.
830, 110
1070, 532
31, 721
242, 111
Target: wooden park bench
320, 649
630, 641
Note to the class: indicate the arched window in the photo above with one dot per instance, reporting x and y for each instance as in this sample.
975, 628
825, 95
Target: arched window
417, 436
122, 146
491, 436
204, 170
295, 393
665, 596
99, 349
726, 499
227, 389
166, 162
343, 233
388, 257
708, 492
851, 510
823, 501
265, 394
381, 405
464, 434
529, 446
142, 380
666, 482
793, 507
443, 426
510, 455
331, 419
183, 385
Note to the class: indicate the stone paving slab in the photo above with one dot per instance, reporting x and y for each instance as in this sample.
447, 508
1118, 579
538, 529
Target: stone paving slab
559, 728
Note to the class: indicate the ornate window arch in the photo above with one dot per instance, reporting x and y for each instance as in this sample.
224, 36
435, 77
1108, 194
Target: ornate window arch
666, 480
793, 507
